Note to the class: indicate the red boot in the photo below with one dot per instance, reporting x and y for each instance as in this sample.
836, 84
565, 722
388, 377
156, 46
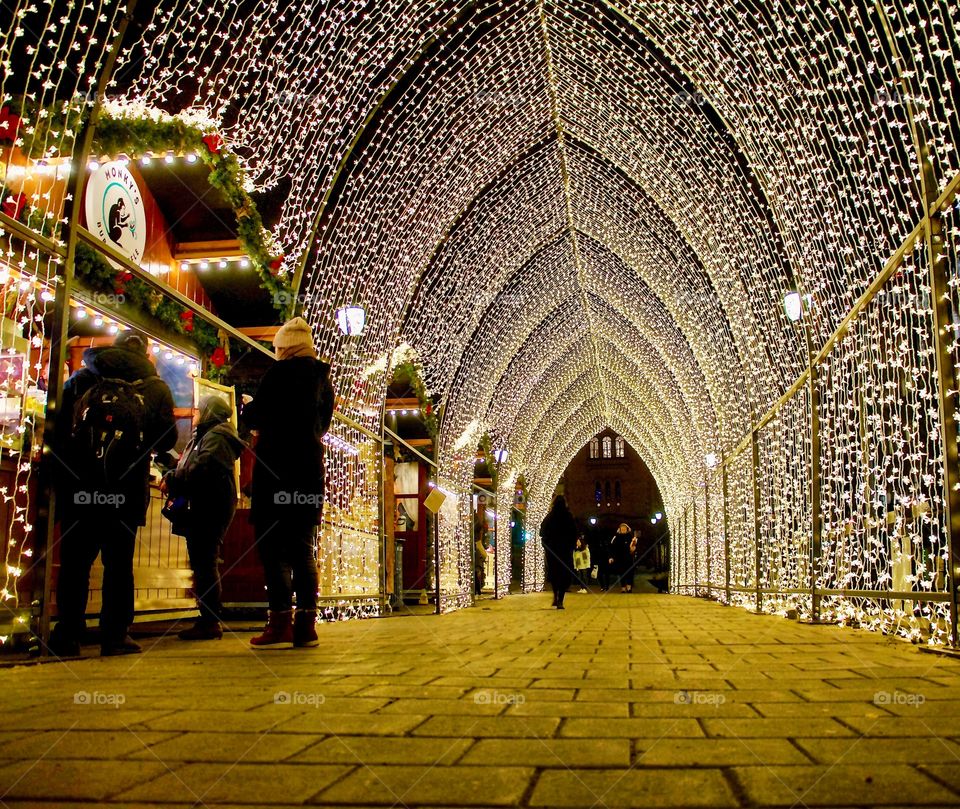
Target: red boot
278, 633
305, 629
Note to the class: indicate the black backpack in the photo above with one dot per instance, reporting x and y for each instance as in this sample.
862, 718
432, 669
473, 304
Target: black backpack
108, 429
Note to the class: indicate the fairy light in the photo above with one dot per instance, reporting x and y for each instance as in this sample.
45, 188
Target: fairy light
630, 274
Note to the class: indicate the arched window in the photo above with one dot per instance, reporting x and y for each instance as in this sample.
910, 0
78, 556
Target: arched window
616, 490
607, 446
607, 487
620, 449
594, 448
598, 492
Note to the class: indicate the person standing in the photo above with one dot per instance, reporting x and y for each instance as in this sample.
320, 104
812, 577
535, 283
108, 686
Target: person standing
481, 530
622, 548
600, 551
116, 412
291, 412
205, 476
581, 564
558, 533
480, 554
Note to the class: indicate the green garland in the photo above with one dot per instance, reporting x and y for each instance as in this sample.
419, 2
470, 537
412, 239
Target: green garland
137, 136
409, 372
97, 274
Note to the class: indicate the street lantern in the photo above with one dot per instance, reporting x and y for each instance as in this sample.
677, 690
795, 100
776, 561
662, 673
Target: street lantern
793, 306
351, 319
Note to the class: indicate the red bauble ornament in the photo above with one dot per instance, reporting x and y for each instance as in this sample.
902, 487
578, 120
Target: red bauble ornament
276, 264
9, 124
13, 205
187, 317
213, 142
218, 357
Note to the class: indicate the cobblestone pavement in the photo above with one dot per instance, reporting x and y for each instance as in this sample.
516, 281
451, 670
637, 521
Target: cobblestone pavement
619, 700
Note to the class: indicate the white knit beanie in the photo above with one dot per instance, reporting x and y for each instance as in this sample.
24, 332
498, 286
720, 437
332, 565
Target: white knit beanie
295, 332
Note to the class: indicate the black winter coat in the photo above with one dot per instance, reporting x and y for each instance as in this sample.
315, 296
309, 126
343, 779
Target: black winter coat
558, 533
291, 413
160, 432
621, 553
206, 472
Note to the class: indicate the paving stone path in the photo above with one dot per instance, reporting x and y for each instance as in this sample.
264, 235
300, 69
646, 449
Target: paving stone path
619, 700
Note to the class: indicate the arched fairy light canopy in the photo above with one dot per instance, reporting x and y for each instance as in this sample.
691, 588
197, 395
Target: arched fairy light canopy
579, 213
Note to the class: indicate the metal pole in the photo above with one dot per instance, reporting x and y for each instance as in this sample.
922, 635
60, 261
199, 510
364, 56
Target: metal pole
496, 536
755, 447
706, 527
816, 543
942, 324
436, 556
726, 533
52, 427
696, 555
682, 554
382, 528
382, 495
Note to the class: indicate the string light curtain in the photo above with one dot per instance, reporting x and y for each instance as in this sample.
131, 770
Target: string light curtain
585, 214
48, 60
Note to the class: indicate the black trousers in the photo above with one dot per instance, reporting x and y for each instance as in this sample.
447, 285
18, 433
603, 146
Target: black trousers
288, 553
205, 562
80, 544
204, 546
561, 575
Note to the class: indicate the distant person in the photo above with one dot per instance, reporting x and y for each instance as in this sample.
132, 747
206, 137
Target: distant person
481, 551
558, 533
116, 412
206, 479
601, 552
581, 563
622, 550
291, 412
481, 529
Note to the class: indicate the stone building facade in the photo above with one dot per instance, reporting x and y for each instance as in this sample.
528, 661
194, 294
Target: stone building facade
608, 481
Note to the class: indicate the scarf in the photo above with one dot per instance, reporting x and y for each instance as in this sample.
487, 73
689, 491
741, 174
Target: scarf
298, 350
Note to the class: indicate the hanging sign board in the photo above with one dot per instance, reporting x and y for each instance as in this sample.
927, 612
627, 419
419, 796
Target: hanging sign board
114, 208
434, 500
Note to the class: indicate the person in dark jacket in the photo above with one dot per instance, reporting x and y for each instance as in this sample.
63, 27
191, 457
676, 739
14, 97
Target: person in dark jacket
105, 521
205, 476
558, 533
291, 412
622, 549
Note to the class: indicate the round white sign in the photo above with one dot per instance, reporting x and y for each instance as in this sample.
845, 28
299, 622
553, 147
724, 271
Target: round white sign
114, 209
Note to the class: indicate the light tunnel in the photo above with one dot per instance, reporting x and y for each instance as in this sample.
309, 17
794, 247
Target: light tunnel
583, 214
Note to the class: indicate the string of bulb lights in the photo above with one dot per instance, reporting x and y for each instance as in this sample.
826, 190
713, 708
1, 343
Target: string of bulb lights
584, 214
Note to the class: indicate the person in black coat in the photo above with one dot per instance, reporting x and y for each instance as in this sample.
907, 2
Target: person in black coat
622, 549
291, 412
100, 517
558, 533
206, 477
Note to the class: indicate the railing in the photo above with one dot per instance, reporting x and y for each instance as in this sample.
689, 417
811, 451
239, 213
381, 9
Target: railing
836, 505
